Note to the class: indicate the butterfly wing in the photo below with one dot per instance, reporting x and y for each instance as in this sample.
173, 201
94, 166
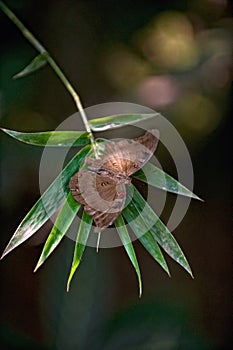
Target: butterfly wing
102, 197
147, 145
126, 156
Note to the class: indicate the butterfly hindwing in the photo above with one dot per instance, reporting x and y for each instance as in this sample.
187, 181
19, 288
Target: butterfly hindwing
102, 197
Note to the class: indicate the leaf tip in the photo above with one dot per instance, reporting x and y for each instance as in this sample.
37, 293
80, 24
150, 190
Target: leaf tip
69, 281
37, 266
98, 242
194, 196
166, 268
16, 76
191, 274
188, 269
139, 283
7, 250
2, 256
70, 278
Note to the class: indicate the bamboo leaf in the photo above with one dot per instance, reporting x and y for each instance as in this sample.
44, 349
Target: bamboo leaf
51, 138
133, 216
159, 231
37, 63
60, 227
156, 177
48, 203
80, 245
118, 120
125, 238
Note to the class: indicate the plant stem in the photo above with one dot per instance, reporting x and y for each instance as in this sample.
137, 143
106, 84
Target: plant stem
30, 37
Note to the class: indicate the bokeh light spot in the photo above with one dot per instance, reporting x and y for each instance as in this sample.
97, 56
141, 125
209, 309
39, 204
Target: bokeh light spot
198, 114
169, 41
158, 91
124, 68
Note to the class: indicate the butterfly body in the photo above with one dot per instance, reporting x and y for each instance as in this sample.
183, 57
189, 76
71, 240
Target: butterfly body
118, 177
101, 187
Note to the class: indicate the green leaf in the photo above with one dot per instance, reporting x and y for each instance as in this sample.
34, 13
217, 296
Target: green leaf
82, 236
48, 203
159, 231
154, 176
119, 120
51, 138
125, 238
60, 227
132, 214
37, 63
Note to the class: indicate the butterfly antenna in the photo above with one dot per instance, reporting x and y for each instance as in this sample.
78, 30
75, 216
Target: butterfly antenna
98, 242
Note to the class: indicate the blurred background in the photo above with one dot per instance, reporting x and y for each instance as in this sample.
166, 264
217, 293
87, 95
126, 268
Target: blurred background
174, 57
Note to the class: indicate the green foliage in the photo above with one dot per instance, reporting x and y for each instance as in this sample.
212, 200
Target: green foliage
125, 239
119, 120
156, 177
60, 227
82, 237
133, 216
142, 219
48, 203
51, 138
146, 225
37, 63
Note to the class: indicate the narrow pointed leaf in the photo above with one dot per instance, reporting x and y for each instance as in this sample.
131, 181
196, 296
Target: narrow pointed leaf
158, 178
60, 227
133, 216
37, 63
125, 238
80, 245
48, 203
51, 138
159, 231
119, 120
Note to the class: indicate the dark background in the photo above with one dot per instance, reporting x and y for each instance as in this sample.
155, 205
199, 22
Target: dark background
173, 57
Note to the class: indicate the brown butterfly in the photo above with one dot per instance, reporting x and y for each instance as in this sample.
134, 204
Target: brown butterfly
101, 187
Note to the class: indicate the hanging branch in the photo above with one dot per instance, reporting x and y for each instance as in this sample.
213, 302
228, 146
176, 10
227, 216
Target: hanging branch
41, 49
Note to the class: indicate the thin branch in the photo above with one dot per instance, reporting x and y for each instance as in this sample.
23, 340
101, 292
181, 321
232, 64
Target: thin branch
30, 37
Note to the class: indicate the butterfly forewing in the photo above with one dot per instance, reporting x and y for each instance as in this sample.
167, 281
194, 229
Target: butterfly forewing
127, 156
146, 146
